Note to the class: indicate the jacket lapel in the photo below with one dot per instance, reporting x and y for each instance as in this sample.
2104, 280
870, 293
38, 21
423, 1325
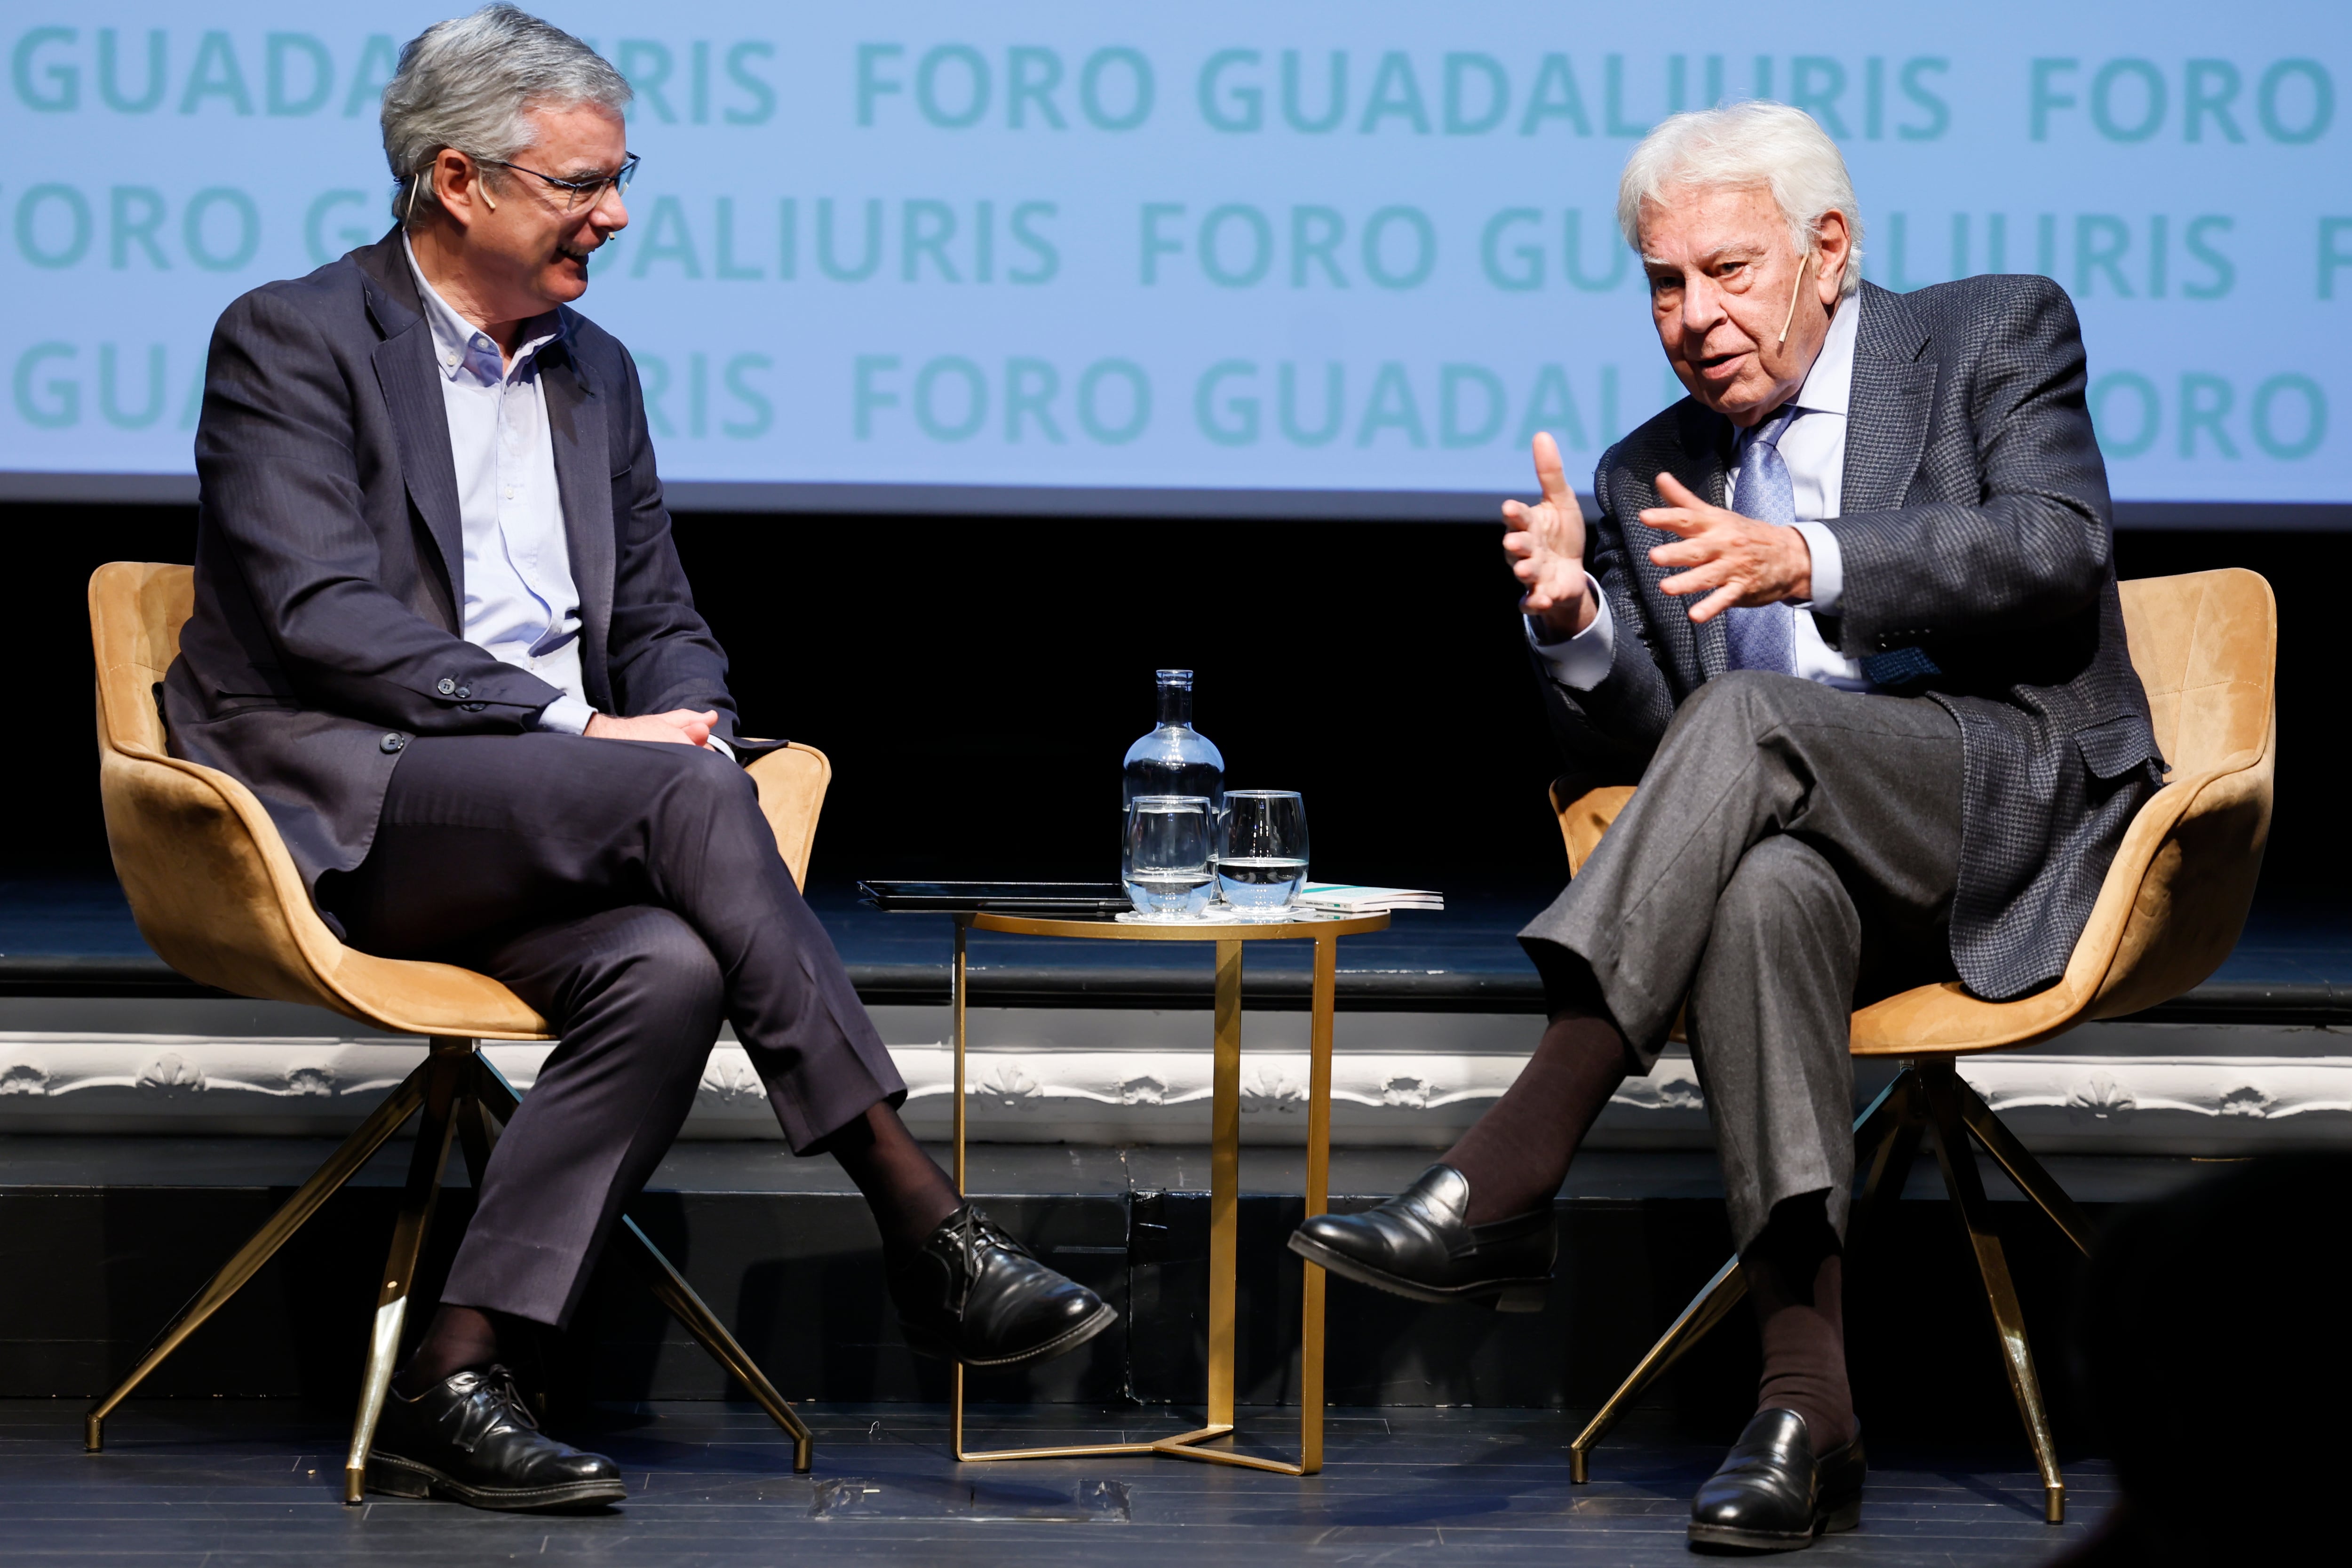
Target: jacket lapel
1893, 399
411, 382
583, 479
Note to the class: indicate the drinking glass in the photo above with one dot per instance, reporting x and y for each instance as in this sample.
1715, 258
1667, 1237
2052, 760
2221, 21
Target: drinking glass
1261, 852
1164, 861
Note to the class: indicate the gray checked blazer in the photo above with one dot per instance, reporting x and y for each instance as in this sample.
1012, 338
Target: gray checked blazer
330, 555
1976, 528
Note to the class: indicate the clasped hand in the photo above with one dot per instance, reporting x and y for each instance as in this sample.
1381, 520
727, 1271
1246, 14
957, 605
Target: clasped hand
1730, 559
679, 724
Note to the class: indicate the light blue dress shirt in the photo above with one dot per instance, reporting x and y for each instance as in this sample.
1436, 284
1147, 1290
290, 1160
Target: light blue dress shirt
521, 606
1814, 449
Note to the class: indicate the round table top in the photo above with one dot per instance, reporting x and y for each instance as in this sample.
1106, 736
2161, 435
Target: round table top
1186, 931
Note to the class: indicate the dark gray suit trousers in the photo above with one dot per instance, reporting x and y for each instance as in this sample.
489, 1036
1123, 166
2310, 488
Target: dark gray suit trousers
631, 891
1791, 854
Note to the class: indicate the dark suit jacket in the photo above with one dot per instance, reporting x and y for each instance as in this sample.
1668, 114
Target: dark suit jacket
1976, 528
329, 555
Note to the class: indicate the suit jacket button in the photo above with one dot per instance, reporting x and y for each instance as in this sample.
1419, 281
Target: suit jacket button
447, 686
473, 707
464, 692
390, 743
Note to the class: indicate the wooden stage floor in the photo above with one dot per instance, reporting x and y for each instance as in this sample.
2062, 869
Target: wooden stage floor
223, 1483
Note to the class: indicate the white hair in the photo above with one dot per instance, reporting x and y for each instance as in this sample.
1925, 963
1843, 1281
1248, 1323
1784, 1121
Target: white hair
469, 83
1756, 144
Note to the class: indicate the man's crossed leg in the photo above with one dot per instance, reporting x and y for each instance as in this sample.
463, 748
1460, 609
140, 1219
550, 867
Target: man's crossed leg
631, 892
1792, 853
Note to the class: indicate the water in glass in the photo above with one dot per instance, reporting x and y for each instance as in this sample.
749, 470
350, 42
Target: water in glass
1261, 852
1164, 861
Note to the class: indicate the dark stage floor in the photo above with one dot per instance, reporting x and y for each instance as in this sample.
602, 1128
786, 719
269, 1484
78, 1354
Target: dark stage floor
221, 1483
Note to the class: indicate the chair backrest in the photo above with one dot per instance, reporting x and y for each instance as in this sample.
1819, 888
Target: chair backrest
136, 611
211, 884
2206, 647
208, 880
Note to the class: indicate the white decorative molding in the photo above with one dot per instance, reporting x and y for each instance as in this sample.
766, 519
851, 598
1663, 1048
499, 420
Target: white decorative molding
1110, 1076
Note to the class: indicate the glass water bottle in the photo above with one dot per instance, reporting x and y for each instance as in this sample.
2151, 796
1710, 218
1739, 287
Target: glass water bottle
1175, 758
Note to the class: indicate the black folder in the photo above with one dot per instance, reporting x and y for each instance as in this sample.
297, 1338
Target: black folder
1068, 901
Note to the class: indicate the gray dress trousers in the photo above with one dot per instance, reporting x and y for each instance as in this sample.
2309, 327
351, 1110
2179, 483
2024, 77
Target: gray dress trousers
1791, 854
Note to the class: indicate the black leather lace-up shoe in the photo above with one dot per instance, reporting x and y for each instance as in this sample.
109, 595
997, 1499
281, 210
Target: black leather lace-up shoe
973, 1294
1771, 1495
1419, 1244
471, 1439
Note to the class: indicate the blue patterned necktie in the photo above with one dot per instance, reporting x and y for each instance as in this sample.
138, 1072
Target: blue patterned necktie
1763, 636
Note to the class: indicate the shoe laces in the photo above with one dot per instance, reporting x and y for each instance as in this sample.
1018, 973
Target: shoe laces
496, 1398
969, 1234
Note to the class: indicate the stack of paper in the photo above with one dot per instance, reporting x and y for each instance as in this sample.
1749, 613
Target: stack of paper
1347, 899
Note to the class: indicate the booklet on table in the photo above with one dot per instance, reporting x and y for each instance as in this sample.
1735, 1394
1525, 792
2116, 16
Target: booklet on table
1348, 897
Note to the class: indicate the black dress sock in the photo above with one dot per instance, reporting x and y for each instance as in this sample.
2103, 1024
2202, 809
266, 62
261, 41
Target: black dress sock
905, 1187
459, 1339
1795, 1276
1517, 1155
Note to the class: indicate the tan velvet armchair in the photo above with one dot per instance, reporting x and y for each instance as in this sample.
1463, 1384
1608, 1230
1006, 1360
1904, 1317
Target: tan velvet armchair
217, 895
2170, 911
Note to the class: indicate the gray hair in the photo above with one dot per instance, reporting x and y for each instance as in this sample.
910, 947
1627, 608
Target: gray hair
1754, 144
470, 82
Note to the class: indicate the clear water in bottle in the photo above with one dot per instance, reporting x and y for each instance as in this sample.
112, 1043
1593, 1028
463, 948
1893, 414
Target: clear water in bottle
1175, 758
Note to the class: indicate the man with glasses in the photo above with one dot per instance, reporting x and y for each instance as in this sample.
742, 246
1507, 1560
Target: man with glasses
441, 630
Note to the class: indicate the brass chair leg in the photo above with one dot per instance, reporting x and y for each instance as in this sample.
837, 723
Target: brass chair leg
1893, 1106
1886, 1160
497, 1100
2022, 1168
329, 1179
1882, 1124
1942, 1088
477, 1133
671, 1289
1712, 1304
447, 1081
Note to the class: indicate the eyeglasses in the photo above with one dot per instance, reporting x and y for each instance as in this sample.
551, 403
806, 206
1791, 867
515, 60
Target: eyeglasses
579, 193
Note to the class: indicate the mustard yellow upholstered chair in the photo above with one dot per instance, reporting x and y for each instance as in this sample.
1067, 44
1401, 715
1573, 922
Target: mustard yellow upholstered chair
2170, 911
217, 896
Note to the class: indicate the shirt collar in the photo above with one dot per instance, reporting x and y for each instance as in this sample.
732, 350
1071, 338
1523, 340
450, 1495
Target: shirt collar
1829, 386
462, 348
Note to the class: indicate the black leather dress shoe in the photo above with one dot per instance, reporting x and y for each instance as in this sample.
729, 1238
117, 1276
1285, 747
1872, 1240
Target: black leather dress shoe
1419, 1244
471, 1439
1771, 1495
973, 1294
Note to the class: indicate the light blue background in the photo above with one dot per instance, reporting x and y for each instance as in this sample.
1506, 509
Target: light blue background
758, 375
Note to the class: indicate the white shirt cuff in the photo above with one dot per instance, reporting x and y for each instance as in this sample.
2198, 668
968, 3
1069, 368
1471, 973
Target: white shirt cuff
566, 716
723, 749
1829, 568
1582, 661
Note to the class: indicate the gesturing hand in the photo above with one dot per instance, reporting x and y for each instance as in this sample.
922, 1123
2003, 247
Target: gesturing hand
679, 724
1733, 560
1546, 545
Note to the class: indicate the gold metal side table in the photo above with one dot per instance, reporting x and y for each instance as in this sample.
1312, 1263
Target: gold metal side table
1224, 1168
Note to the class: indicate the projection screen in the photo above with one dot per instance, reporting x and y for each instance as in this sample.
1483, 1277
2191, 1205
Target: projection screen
1310, 250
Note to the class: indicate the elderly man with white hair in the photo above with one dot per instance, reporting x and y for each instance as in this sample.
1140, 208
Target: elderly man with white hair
442, 631
1849, 618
